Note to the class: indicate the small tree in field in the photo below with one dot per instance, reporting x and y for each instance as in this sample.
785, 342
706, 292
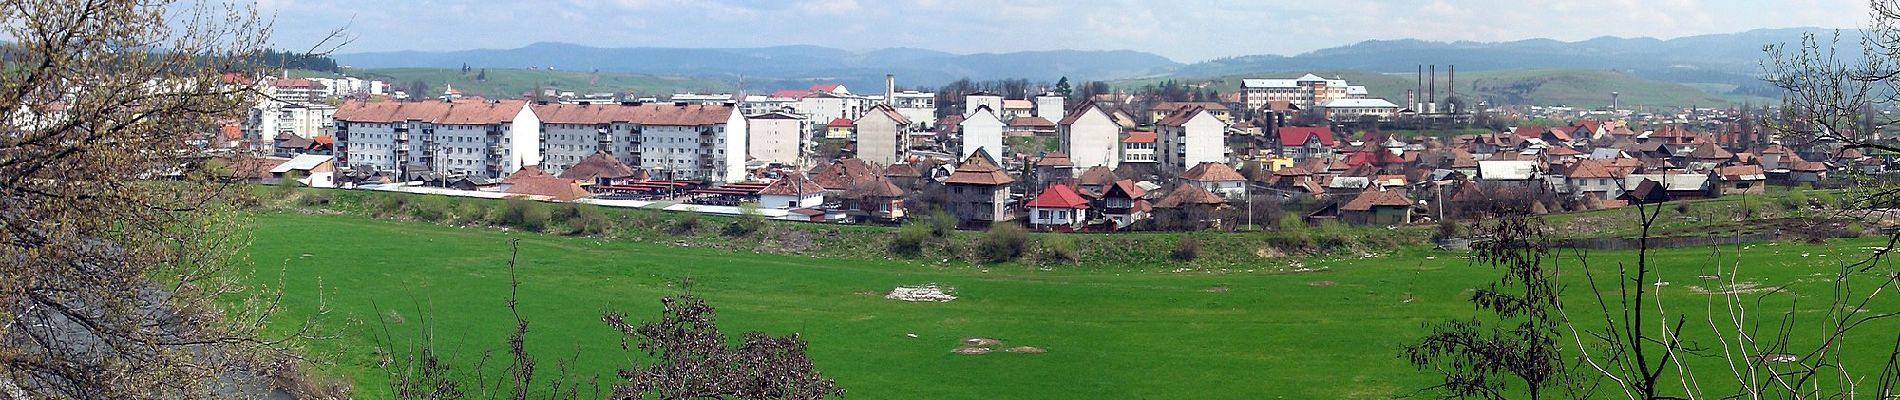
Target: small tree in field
692, 359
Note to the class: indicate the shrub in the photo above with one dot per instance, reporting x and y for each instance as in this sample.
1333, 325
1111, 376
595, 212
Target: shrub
525, 215
1003, 242
1446, 229
1060, 249
941, 223
582, 220
1855, 229
749, 221
1187, 249
387, 205
1292, 223
910, 239
686, 223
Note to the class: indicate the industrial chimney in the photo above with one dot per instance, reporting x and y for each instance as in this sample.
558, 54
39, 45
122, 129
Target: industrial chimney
1451, 84
890, 89
1432, 90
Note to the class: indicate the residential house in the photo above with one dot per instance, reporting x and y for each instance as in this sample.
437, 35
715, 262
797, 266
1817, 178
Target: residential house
1124, 203
600, 169
1302, 142
1803, 171
840, 128
1377, 207
1676, 186
1191, 137
793, 191
979, 190
1139, 147
1096, 179
1593, 179
312, 170
877, 198
1190, 207
533, 182
1016, 108
1218, 178
1058, 207
1054, 167
1526, 173
1163, 109
1029, 126
1740, 179
1089, 135
982, 129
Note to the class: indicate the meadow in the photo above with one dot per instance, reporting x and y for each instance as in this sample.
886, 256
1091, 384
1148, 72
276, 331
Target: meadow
1295, 328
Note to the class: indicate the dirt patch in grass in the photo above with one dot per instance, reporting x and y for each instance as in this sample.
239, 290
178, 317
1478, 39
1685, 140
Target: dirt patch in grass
1735, 288
1026, 349
1322, 283
1217, 289
971, 350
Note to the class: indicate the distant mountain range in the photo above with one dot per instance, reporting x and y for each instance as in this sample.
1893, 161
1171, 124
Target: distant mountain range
1721, 64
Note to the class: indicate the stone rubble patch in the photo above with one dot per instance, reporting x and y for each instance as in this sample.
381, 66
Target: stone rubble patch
925, 293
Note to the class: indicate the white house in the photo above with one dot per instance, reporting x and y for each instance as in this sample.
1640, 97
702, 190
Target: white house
1191, 137
795, 191
313, 170
1090, 137
982, 130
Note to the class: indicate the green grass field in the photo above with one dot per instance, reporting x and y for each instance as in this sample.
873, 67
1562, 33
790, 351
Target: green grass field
1143, 332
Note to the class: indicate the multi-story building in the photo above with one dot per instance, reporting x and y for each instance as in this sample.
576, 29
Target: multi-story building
1191, 137
1306, 91
270, 118
1351, 109
918, 107
1050, 106
883, 135
1090, 137
1139, 147
490, 139
670, 140
776, 137
295, 90
821, 107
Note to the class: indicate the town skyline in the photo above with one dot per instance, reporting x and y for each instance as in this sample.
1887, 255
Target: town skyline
1191, 32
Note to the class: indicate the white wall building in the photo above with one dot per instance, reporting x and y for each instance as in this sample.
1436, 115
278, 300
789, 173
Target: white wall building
883, 136
776, 137
1352, 109
1050, 106
918, 107
673, 141
1306, 91
1091, 138
982, 129
487, 138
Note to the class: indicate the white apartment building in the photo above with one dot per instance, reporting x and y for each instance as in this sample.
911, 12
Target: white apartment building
776, 137
973, 101
1050, 106
1090, 137
1191, 137
670, 140
822, 107
883, 136
491, 139
269, 118
918, 107
1306, 91
296, 90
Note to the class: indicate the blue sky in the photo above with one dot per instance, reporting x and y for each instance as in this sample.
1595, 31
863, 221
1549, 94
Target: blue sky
1185, 30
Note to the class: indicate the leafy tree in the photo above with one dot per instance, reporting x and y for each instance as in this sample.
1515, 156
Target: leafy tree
1062, 87
117, 278
692, 359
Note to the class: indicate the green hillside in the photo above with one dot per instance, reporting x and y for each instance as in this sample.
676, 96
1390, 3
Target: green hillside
511, 83
1578, 88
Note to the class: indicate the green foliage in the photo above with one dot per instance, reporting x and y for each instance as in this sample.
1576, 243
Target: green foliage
431, 208
582, 219
910, 239
1003, 242
313, 198
470, 212
1292, 223
941, 223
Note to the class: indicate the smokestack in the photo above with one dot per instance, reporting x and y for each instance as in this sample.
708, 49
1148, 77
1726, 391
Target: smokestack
1613, 104
1451, 84
1419, 105
1432, 89
890, 89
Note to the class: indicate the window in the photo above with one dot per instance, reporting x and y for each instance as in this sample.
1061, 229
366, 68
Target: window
1042, 214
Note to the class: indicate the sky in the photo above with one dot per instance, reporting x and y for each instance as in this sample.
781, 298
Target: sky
1183, 30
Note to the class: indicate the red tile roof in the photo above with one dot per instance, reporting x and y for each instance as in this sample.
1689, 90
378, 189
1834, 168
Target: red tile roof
1140, 137
979, 170
1376, 198
1059, 196
1032, 122
1296, 135
793, 185
841, 122
596, 166
455, 113
1054, 159
644, 114
1212, 172
1186, 194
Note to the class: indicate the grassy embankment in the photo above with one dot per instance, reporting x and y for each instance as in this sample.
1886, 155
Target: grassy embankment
1329, 328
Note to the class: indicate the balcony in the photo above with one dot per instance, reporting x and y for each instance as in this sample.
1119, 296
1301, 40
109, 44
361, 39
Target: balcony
402, 136
494, 149
402, 148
